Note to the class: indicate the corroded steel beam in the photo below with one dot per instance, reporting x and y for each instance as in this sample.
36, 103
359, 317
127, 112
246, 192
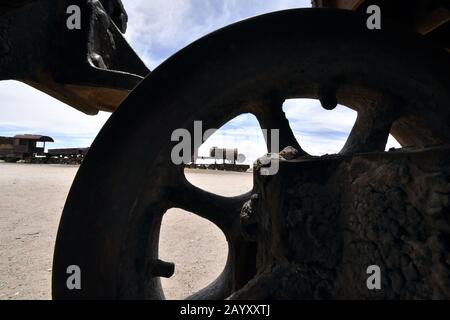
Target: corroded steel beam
92, 68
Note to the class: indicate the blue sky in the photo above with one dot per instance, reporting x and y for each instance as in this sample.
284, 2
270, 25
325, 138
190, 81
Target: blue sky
157, 29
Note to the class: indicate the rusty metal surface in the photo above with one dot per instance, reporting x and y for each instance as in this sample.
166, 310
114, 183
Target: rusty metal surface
111, 221
395, 79
90, 69
335, 216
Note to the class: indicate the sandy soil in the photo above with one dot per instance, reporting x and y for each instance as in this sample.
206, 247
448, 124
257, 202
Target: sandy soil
31, 201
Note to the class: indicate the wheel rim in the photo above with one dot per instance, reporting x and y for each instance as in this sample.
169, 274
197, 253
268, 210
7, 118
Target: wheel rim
111, 221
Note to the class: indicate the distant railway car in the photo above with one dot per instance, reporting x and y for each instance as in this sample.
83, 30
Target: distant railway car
228, 157
22, 147
68, 155
229, 154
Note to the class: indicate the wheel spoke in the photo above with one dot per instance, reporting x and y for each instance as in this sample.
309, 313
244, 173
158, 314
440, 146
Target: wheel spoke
222, 211
270, 115
371, 129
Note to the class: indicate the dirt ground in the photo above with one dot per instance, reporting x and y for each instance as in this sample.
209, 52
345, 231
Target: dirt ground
31, 200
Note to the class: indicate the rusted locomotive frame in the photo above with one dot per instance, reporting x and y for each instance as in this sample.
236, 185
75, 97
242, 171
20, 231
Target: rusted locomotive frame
90, 69
328, 219
111, 221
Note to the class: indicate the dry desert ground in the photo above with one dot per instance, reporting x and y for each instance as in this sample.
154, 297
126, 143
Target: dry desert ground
31, 200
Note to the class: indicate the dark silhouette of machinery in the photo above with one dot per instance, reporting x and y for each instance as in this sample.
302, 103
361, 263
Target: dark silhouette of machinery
309, 231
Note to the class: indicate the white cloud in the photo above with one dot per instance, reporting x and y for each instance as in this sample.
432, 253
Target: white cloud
319, 131
322, 131
27, 110
159, 28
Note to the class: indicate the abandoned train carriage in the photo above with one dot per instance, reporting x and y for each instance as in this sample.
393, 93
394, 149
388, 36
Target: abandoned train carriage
22, 147
31, 148
66, 155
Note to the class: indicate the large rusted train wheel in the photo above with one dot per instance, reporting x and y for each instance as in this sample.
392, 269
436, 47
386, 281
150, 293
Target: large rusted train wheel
111, 221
